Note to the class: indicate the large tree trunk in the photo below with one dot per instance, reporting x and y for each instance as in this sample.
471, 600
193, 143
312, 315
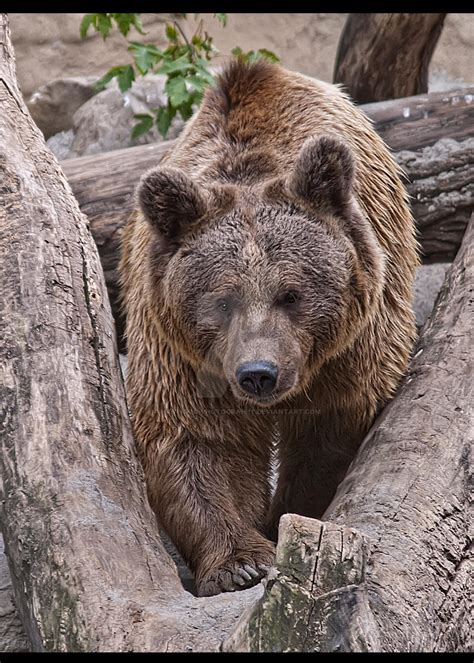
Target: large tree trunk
89, 571
12, 633
385, 56
391, 568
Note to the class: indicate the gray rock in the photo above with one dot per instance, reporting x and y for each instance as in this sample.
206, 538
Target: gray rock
61, 144
429, 279
53, 105
105, 122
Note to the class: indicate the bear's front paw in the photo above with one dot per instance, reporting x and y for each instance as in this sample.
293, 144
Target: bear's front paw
235, 574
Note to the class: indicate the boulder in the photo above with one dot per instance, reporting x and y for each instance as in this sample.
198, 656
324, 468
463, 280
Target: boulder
106, 121
53, 105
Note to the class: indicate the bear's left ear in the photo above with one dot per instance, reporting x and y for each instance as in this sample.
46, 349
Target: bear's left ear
170, 201
324, 173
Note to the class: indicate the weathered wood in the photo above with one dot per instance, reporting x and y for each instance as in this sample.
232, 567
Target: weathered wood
89, 571
392, 568
103, 184
441, 183
385, 56
411, 123
441, 186
12, 633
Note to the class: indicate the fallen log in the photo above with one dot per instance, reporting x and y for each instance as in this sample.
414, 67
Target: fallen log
441, 188
440, 182
391, 567
411, 123
88, 569
385, 56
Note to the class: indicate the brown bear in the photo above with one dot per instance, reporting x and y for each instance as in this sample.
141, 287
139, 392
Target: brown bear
267, 280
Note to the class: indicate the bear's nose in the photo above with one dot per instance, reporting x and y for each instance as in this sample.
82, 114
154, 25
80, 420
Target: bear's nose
257, 377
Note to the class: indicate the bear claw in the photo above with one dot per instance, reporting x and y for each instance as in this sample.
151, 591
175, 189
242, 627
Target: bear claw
227, 580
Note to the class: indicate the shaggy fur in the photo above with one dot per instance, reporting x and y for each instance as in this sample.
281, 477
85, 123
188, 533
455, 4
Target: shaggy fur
277, 229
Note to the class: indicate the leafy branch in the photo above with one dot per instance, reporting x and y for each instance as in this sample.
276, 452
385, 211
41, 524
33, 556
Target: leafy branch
185, 63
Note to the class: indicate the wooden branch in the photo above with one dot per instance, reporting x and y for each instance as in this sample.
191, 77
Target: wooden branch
391, 569
89, 571
385, 56
103, 185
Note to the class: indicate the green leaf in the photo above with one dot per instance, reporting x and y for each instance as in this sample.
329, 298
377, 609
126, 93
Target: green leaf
177, 91
253, 56
125, 78
181, 64
197, 82
171, 32
85, 24
222, 18
137, 22
102, 83
268, 55
104, 24
163, 120
186, 110
124, 22
146, 56
203, 71
145, 124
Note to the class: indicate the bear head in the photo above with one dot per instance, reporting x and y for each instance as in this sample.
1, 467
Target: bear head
263, 283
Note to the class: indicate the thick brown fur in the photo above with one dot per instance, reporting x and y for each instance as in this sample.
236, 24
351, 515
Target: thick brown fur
278, 183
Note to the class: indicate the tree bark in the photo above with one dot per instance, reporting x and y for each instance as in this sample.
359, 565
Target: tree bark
411, 123
441, 187
385, 56
89, 571
12, 633
103, 184
440, 182
391, 567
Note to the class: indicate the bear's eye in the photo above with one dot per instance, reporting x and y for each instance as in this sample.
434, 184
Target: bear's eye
289, 298
223, 305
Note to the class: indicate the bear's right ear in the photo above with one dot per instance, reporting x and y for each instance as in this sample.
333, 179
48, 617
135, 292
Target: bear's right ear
170, 201
324, 174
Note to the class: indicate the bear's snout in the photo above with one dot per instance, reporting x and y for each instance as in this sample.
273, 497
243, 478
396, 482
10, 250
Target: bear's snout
257, 378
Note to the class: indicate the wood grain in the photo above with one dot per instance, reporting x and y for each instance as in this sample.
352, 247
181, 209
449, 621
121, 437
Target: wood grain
385, 56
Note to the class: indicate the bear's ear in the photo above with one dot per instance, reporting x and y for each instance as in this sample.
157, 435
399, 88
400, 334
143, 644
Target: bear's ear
323, 174
170, 201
